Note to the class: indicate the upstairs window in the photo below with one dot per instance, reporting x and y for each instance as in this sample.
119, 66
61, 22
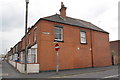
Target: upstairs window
83, 36
35, 34
29, 38
58, 33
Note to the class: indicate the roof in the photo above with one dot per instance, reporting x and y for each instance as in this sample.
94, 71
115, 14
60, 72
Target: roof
72, 21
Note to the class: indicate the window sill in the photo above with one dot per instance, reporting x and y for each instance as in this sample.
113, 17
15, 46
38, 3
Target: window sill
58, 41
84, 43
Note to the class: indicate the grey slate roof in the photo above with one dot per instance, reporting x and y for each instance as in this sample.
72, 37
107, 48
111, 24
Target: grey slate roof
73, 21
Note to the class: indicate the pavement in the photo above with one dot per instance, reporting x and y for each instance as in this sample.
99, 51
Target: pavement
8, 72
0, 70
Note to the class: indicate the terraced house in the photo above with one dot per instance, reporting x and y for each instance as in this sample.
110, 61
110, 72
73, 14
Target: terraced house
82, 44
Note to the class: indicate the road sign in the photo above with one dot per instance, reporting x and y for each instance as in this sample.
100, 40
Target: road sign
57, 47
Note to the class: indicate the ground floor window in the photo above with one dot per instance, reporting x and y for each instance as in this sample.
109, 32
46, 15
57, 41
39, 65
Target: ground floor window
32, 55
22, 60
15, 57
10, 57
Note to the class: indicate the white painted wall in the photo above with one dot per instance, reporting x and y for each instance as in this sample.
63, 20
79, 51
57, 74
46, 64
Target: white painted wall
31, 68
12, 63
20, 67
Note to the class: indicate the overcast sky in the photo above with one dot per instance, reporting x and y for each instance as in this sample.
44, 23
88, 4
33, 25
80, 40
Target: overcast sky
103, 13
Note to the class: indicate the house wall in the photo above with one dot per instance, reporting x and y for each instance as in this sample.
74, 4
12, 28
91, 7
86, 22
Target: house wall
101, 49
114, 45
31, 36
23, 43
28, 37
69, 56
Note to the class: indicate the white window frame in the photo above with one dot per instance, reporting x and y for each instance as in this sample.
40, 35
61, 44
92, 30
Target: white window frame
61, 34
22, 60
32, 55
83, 37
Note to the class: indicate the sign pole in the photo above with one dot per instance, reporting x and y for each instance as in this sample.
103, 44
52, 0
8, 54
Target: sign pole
57, 55
57, 64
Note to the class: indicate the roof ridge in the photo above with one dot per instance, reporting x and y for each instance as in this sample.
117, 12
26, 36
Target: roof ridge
50, 16
77, 19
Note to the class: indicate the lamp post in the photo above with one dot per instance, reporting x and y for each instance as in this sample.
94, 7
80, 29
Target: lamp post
26, 21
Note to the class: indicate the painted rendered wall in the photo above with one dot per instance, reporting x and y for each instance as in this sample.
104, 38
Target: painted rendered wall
31, 68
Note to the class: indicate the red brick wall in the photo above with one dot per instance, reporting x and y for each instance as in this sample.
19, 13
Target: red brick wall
69, 56
101, 49
114, 45
23, 43
29, 37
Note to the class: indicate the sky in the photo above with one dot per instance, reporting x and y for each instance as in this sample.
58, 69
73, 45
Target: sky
102, 13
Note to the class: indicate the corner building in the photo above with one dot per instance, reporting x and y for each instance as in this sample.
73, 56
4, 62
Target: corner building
82, 44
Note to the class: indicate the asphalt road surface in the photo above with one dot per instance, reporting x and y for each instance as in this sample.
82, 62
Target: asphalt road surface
98, 73
113, 73
0, 71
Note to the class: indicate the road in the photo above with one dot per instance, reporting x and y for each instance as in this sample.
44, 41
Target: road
0, 71
98, 73
113, 73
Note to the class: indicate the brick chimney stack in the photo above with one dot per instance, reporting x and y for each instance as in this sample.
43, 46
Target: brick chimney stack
63, 11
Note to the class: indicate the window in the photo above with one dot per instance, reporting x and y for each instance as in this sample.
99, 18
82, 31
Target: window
58, 34
29, 38
10, 58
15, 57
83, 36
32, 55
22, 60
35, 34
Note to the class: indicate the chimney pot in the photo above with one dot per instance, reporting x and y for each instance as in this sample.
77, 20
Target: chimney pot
62, 5
28, 28
63, 11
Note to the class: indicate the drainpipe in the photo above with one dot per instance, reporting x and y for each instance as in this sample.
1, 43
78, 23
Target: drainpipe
91, 49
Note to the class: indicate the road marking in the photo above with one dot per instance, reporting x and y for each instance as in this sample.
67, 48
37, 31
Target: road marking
55, 77
111, 76
3, 74
84, 73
